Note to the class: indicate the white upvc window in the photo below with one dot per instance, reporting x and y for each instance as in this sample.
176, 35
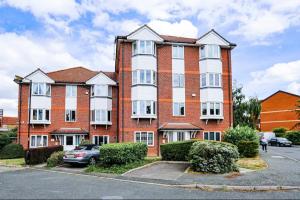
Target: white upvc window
212, 135
146, 47
211, 109
38, 141
178, 52
178, 109
146, 137
71, 91
100, 139
144, 76
40, 115
101, 91
70, 115
143, 108
101, 115
210, 51
211, 80
178, 80
41, 89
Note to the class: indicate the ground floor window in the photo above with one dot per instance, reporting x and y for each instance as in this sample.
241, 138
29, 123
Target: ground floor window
38, 141
145, 137
175, 136
69, 140
212, 136
100, 139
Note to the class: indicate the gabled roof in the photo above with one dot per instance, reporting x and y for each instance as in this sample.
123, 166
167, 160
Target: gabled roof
280, 91
102, 78
35, 72
69, 131
140, 29
212, 31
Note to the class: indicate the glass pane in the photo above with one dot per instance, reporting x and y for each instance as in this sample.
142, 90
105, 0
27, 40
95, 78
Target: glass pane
148, 76
176, 108
48, 90
175, 80
217, 80
170, 137
202, 52
39, 141
206, 136
142, 47
134, 48
45, 141
180, 136
109, 91
73, 117
154, 107
47, 115
211, 79
211, 136
148, 107
154, 77
40, 114
34, 114
142, 78
134, 107
97, 115
204, 109
142, 107
212, 110
93, 115
69, 140
134, 77
67, 115
137, 137
35, 89
181, 80
217, 108
150, 138
96, 140
32, 141
217, 136
144, 137
149, 47
180, 52
182, 109
108, 115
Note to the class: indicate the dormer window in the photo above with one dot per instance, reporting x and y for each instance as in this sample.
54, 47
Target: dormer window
209, 51
145, 47
41, 89
101, 91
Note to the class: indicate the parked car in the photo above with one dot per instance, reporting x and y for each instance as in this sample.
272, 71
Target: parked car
266, 135
278, 141
83, 154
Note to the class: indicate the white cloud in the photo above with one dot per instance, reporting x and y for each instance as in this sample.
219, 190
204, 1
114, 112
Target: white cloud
10, 106
183, 28
281, 76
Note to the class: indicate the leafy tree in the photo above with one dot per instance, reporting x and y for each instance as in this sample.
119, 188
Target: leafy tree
254, 108
240, 114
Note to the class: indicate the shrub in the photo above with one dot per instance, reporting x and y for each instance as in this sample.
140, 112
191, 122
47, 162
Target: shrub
293, 136
240, 133
12, 151
55, 159
248, 148
279, 132
84, 142
214, 157
4, 140
122, 153
40, 155
177, 151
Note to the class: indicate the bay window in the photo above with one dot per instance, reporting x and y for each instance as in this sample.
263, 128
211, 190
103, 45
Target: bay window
212, 109
143, 108
144, 76
177, 52
210, 80
144, 137
145, 47
41, 89
178, 109
99, 115
209, 51
40, 115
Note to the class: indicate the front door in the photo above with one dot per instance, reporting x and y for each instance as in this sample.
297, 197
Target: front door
69, 143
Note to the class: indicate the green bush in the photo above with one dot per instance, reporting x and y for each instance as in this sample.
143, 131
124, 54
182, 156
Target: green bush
279, 132
240, 133
248, 148
213, 157
122, 153
293, 136
177, 151
4, 140
40, 155
55, 159
12, 151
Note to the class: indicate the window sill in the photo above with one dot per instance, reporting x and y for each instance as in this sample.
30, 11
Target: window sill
40, 95
101, 123
212, 117
40, 122
108, 97
144, 84
207, 87
209, 59
143, 116
143, 54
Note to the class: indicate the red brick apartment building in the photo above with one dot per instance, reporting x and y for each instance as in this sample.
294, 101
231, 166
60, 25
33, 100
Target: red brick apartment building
164, 89
279, 110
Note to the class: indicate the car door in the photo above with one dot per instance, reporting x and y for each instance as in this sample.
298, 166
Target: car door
96, 152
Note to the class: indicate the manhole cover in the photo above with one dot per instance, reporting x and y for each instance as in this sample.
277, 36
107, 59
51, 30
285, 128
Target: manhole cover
277, 157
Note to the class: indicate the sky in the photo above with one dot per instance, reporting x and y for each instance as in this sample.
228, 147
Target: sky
56, 34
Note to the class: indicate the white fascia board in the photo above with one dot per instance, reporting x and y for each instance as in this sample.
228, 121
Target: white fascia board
101, 79
212, 38
144, 33
38, 76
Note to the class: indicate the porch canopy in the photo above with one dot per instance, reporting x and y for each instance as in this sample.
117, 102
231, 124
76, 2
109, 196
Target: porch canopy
186, 127
71, 131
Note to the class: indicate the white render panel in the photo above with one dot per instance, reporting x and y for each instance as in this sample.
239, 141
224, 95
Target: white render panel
178, 94
178, 66
40, 102
213, 38
101, 103
144, 62
101, 79
144, 33
71, 103
210, 65
38, 77
211, 95
144, 93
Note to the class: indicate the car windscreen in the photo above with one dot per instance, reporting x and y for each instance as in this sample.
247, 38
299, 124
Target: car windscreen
282, 139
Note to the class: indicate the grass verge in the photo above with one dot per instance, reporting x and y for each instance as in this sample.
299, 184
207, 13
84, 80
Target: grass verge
13, 162
120, 169
255, 163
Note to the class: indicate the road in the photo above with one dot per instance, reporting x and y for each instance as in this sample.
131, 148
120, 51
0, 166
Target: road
37, 184
288, 152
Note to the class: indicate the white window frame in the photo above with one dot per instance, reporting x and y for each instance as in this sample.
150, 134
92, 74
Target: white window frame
210, 51
94, 115
70, 113
181, 80
178, 51
42, 89
147, 142
215, 132
137, 74
98, 136
107, 90
138, 104
139, 47
178, 105
208, 105
71, 91
43, 115
35, 139
207, 80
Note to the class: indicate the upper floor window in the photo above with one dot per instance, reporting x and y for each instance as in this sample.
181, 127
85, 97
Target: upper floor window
210, 80
177, 51
70, 115
143, 108
101, 90
178, 80
178, 109
143, 47
41, 89
71, 90
210, 51
144, 76
101, 116
211, 109
39, 114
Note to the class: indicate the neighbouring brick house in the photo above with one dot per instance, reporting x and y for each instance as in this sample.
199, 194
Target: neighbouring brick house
8, 123
164, 89
279, 110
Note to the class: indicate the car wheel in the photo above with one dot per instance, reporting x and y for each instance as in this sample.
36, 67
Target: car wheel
92, 161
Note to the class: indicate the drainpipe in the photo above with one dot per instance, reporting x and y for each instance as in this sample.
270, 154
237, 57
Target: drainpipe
89, 123
157, 104
230, 88
20, 113
29, 117
123, 76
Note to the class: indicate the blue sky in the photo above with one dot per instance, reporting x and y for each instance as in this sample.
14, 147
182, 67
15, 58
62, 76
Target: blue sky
55, 34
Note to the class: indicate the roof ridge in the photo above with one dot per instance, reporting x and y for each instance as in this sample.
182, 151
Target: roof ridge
60, 70
178, 36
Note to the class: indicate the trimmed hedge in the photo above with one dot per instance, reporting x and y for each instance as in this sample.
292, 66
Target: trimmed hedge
55, 159
122, 153
248, 148
293, 136
4, 140
213, 157
12, 151
177, 151
279, 132
240, 133
40, 155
